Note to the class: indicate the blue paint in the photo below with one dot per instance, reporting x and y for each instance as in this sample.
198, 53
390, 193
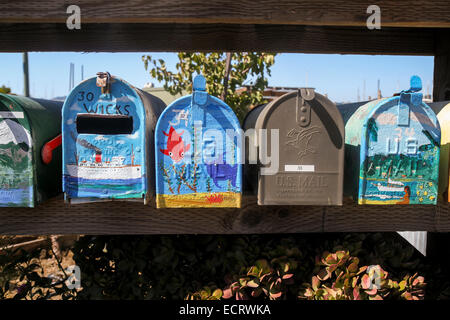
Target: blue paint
222, 172
399, 149
190, 160
104, 166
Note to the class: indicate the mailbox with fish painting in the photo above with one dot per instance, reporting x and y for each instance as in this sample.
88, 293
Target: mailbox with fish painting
108, 141
300, 142
198, 152
30, 150
392, 150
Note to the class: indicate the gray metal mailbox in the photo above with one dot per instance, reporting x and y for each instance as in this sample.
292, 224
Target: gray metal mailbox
306, 131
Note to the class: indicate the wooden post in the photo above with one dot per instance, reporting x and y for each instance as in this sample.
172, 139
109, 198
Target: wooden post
437, 243
26, 76
441, 85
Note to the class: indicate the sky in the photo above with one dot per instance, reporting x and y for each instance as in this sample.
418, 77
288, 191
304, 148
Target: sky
338, 76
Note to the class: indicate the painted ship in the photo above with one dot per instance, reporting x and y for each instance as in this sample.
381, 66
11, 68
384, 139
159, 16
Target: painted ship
392, 186
115, 169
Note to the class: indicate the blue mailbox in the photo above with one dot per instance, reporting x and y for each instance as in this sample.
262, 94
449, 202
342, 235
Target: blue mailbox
108, 141
198, 152
392, 150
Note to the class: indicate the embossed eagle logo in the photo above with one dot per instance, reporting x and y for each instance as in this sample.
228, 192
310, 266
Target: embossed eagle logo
300, 139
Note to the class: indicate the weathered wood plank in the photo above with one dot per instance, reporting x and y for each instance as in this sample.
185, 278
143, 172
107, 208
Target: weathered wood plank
215, 37
119, 217
380, 218
441, 81
424, 13
55, 217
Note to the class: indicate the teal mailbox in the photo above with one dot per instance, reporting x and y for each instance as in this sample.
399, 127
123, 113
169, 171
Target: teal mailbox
392, 150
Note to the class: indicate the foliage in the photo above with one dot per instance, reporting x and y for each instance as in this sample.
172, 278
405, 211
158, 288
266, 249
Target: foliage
263, 278
22, 276
5, 89
341, 278
205, 266
246, 69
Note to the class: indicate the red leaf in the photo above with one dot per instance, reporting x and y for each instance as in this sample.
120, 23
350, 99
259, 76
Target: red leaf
356, 295
288, 276
372, 292
276, 295
365, 282
227, 294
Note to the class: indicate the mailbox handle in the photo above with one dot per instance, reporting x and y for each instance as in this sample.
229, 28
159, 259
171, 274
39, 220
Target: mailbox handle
407, 97
104, 82
47, 149
303, 107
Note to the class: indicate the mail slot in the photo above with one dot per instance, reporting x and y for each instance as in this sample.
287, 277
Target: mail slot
30, 152
392, 150
198, 152
108, 141
444, 121
300, 142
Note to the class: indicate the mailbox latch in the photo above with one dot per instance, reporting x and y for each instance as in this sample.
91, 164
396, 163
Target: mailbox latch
303, 107
104, 82
407, 97
199, 90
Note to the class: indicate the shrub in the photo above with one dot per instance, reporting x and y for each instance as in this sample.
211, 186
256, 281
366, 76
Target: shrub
341, 278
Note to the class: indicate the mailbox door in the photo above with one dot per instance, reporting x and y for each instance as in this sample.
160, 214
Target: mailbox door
399, 160
198, 153
444, 121
353, 128
16, 160
311, 151
104, 142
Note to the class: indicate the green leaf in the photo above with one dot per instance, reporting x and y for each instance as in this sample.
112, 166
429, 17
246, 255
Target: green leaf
217, 294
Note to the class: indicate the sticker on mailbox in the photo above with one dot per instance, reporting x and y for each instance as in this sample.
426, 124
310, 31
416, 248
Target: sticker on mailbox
299, 168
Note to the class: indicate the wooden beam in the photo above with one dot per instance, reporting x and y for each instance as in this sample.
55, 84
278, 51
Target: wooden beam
215, 37
441, 82
55, 217
425, 13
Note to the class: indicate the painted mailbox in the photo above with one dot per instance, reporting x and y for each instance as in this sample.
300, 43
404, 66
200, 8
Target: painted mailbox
392, 150
108, 141
198, 152
305, 131
444, 120
30, 152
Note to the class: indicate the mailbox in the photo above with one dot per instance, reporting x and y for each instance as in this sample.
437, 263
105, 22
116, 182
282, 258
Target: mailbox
108, 141
392, 150
444, 121
300, 142
198, 152
30, 152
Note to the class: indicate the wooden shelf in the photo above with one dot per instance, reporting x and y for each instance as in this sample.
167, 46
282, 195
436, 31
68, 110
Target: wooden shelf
319, 26
120, 217
424, 14
138, 37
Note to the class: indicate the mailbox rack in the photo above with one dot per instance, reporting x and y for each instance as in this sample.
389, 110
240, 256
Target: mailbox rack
305, 26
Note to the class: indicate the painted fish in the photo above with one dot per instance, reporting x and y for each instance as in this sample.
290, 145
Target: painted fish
175, 148
222, 172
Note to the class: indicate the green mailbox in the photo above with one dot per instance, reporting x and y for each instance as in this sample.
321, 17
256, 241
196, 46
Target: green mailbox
30, 153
